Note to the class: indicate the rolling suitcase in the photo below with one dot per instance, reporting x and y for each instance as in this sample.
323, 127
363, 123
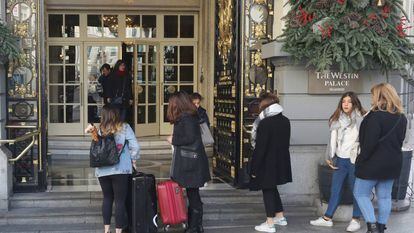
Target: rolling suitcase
144, 204
172, 205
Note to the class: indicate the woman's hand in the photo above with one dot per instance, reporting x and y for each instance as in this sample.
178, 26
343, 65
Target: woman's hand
89, 129
331, 165
134, 164
169, 139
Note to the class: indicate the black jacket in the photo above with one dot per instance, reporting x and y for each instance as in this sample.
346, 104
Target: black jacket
121, 86
202, 113
189, 172
106, 86
271, 157
380, 158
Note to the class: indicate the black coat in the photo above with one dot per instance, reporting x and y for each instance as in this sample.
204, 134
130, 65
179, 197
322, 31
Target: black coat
189, 172
106, 86
202, 114
380, 158
121, 86
271, 157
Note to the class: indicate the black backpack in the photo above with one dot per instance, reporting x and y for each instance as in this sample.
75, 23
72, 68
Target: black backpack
104, 151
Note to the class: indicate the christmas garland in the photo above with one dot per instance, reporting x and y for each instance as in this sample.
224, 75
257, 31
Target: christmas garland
348, 34
9, 47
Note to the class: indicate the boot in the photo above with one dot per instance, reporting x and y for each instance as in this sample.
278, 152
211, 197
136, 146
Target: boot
381, 227
192, 222
200, 228
372, 228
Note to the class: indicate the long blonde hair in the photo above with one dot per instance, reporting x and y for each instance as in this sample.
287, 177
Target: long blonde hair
110, 120
386, 99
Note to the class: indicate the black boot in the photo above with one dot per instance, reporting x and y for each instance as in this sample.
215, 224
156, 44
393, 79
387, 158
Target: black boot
381, 227
200, 221
372, 228
192, 222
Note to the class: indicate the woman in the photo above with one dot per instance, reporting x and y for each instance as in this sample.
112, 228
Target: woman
189, 172
270, 163
344, 126
202, 113
121, 84
381, 137
114, 179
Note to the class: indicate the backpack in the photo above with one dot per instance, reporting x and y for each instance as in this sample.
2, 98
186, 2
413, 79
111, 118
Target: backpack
104, 152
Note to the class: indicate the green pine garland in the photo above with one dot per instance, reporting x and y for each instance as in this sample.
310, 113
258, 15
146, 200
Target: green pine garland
9, 47
351, 35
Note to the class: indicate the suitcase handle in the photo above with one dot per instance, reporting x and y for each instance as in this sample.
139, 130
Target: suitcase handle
154, 220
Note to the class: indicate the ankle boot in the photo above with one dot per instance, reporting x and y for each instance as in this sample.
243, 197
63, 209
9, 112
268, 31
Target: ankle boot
372, 228
192, 222
381, 227
200, 221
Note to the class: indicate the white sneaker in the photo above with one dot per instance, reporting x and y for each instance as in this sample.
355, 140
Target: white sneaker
321, 222
353, 226
280, 221
264, 227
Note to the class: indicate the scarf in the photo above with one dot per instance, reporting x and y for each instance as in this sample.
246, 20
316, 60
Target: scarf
346, 121
270, 111
121, 73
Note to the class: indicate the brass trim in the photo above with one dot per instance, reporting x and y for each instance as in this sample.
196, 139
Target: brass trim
243, 14
21, 138
20, 127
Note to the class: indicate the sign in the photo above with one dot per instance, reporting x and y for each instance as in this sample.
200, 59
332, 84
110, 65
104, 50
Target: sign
333, 82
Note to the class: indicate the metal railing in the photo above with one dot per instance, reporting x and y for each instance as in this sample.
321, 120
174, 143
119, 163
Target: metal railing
24, 137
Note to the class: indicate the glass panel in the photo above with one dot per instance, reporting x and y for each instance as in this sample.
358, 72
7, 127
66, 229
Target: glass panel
186, 74
170, 54
72, 94
55, 54
72, 74
72, 113
56, 94
109, 55
72, 26
141, 74
170, 74
55, 25
152, 94
94, 54
110, 23
152, 114
149, 26
152, 54
72, 54
133, 26
170, 26
152, 74
186, 54
187, 26
94, 112
165, 113
168, 91
94, 26
55, 74
141, 114
141, 94
56, 114
141, 53
187, 89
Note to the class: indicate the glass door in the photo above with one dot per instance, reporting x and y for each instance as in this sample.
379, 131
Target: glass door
65, 89
178, 73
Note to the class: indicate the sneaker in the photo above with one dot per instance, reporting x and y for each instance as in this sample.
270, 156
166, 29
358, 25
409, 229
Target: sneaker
353, 226
280, 221
321, 222
264, 227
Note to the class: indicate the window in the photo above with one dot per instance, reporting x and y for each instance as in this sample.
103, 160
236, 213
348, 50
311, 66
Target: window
61, 25
105, 26
141, 26
179, 26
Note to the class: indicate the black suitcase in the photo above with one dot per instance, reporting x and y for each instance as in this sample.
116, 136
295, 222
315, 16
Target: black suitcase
144, 204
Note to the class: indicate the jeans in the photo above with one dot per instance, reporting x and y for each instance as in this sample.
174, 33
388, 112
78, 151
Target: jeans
362, 193
272, 202
345, 170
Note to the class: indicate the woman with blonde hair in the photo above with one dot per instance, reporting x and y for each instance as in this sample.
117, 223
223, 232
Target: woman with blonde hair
379, 163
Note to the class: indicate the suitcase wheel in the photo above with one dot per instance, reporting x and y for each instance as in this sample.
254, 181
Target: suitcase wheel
184, 225
166, 228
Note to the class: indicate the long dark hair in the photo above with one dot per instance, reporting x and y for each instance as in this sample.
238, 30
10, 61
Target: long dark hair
356, 105
118, 64
178, 104
110, 120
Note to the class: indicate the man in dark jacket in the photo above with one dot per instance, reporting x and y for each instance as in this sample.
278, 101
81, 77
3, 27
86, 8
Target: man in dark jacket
104, 82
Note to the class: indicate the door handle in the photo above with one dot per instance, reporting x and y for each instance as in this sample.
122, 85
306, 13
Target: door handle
81, 93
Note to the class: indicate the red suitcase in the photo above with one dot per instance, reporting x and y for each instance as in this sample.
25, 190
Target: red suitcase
171, 202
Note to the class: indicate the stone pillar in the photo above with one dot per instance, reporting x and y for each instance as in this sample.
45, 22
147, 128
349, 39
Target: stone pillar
5, 178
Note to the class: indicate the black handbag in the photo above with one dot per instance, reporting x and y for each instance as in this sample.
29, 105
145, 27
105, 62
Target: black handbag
119, 99
104, 151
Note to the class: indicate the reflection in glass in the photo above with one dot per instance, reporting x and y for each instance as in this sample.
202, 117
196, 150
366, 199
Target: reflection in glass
94, 26
152, 54
170, 54
141, 94
152, 74
72, 74
165, 113
56, 114
109, 55
141, 53
55, 54
133, 26
170, 74
55, 74
72, 94
93, 54
22, 75
149, 26
72, 113
168, 91
170, 26
141, 115
152, 94
110, 26
187, 89
55, 25
94, 113
56, 94
186, 74
72, 26
187, 26
21, 11
141, 74
71, 54
152, 114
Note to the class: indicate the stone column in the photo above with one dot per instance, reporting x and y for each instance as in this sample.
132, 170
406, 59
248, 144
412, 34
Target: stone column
5, 178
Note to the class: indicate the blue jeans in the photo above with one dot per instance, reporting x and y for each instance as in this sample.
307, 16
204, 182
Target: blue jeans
346, 170
362, 193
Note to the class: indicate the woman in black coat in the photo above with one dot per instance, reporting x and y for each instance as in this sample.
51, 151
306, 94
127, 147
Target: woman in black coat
270, 164
189, 167
121, 89
379, 163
